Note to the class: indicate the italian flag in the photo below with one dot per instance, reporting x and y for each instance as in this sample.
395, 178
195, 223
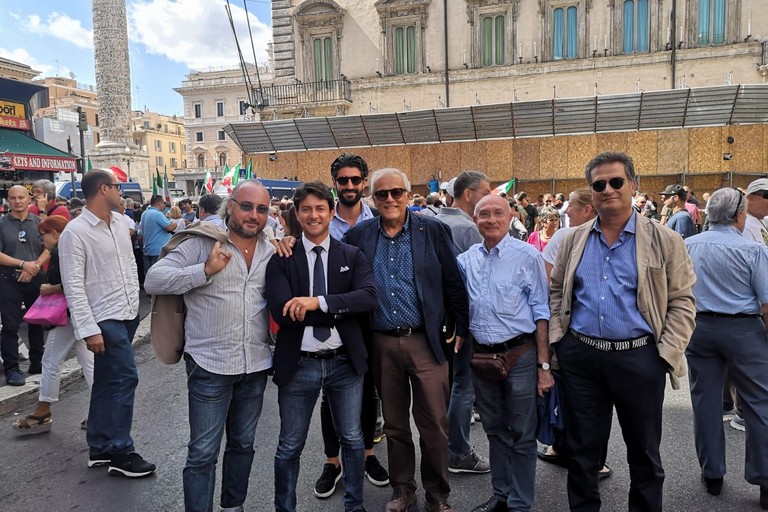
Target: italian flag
249, 170
166, 188
208, 183
228, 180
505, 187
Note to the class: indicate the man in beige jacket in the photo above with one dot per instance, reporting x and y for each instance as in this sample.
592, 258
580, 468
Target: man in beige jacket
622, 314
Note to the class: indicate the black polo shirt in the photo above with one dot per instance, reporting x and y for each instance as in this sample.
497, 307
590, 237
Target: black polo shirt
12, 232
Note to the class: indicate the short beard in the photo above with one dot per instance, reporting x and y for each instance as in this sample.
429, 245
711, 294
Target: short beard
350, 202
240, 231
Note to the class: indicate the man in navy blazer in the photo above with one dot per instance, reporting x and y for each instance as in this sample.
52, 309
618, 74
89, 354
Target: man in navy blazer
317, 296
418, 278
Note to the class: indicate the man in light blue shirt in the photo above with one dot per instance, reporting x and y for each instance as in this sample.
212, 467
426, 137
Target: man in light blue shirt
156, 229
509, 313
731, 293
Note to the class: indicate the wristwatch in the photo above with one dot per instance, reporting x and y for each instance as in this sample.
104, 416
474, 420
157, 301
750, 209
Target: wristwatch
544, 366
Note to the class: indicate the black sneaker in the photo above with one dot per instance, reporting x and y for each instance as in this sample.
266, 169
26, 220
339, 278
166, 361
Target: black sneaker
35, 368
15, 377
326, 484
131, 465
375, 472
99, 459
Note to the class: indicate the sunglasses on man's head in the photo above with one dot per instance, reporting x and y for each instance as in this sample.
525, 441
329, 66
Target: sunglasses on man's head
396, 193
261, 209
23, 236
615, 183
356, 180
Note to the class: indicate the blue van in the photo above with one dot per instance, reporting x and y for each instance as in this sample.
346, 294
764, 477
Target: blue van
132, 190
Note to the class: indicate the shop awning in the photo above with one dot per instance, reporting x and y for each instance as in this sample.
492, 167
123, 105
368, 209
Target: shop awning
677, 108
19, 151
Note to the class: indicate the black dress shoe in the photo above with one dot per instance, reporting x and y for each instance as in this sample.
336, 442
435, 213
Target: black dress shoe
764, 497
35, 368
714, 485
492, 505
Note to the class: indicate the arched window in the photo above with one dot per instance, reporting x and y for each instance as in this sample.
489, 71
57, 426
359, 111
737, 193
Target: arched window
201, 160
222, 159
635, 24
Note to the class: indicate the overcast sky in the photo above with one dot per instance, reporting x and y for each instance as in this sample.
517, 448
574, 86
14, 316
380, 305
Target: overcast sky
167, 38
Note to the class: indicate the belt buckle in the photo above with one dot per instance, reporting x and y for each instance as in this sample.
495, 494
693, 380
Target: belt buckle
323, 354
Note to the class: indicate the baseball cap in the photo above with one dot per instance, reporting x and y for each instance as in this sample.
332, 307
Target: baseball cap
757, 186
673, 190
448, 186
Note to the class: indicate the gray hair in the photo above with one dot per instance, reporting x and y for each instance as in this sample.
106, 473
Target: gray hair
129, 203
46, 186
724, 205
389, 171
467, 180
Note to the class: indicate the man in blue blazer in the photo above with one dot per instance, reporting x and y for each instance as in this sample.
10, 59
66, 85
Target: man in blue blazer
417, 275
317, 296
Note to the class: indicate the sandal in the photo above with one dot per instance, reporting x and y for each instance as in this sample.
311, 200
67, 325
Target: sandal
26, 427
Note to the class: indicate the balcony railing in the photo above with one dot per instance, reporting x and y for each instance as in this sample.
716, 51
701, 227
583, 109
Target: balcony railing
300, 93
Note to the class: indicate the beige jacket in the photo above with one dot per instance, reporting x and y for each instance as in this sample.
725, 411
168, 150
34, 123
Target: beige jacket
665, 280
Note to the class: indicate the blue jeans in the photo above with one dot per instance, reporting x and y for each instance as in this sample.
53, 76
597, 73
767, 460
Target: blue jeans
508, 410
344, 390
217, 402
114, 385
148, 262
460, 406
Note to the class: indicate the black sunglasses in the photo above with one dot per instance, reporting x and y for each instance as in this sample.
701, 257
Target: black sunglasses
741, 196
23, 236
382, 195
118, 186
615, 183
261, 209
761, 193
356, 180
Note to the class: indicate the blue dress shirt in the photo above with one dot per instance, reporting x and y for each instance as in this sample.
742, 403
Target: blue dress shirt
393, 269
153, 223
339, 226
507, 290
731, 271
605, 288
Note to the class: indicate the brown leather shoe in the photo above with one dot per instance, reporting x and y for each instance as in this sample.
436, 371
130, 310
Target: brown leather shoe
402, 500
438, 506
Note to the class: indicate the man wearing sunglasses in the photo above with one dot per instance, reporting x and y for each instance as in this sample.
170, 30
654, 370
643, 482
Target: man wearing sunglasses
757, 209
417, 274
349, 173
622, 314
680, 219
100, 280
223, 279
21, 258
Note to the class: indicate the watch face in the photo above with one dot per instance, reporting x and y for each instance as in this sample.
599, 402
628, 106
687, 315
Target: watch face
544, 366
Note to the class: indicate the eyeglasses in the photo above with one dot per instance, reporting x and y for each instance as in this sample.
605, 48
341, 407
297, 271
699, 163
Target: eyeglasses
761, 193
118, 186
261, 209
615, 183
356, 180
396, 193
738, 205
486, 214
23, 236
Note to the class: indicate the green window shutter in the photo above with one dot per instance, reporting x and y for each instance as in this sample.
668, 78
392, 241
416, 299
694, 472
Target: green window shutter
399, 51
411, 35
499, 40
318, 56
487, 41
328, 59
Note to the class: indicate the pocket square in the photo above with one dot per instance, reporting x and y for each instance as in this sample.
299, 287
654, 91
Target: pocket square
344, 268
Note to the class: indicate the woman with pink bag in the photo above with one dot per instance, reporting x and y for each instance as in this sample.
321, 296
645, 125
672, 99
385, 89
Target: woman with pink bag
60, 340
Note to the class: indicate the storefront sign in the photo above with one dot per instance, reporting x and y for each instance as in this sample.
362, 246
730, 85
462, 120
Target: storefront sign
13, 115
43, 163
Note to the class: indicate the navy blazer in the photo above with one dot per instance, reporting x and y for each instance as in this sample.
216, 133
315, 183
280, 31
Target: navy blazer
435, 270
351, 292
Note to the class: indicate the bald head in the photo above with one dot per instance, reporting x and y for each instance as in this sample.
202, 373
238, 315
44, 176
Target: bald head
494, 200
493, 216
18, 198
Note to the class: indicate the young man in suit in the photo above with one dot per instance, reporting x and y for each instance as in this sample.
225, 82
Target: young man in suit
316, 296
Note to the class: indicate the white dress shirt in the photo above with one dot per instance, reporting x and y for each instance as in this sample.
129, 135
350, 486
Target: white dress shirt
98, 271
308, 342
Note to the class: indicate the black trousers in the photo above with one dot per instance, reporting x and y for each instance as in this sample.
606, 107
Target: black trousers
368, 416
12, 294
594, 382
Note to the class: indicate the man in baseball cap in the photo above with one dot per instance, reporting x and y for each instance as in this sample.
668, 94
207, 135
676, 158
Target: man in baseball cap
447, 187
680, 219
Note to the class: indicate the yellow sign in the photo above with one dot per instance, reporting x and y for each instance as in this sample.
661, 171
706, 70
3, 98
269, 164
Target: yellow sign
11, 109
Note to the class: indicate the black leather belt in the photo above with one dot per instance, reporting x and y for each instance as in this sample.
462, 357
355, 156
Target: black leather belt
495, 348
728, 315
325, 354
613, 345
402, 332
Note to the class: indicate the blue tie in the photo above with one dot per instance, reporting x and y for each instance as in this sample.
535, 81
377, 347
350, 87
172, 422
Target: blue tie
320, 332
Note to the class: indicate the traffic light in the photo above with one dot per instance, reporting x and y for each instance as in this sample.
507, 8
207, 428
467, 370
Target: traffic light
82, 122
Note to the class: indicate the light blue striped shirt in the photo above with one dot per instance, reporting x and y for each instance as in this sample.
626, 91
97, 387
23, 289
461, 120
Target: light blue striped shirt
339, 226
605, 288
507, 290
731, 271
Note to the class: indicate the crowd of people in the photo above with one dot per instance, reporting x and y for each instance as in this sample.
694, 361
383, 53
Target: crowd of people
539, 319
